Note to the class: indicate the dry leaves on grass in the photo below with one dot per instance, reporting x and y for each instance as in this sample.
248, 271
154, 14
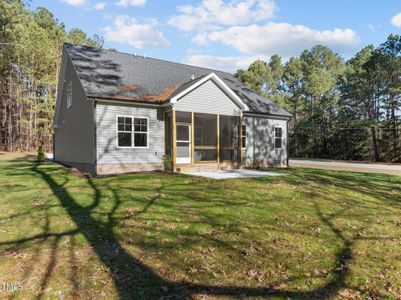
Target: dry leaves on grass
193, 270
255, 274
349, 294
129, 211
253, 248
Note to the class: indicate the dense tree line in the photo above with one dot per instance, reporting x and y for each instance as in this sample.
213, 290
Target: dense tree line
342, 109
30, 56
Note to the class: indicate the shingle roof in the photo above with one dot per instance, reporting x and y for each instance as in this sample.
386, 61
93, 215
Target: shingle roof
114, 75
187, 85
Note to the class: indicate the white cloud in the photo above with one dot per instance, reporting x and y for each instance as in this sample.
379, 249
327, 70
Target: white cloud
282, 38
201, 39
125, 3
100, 5
130, 31
213, 13
224, 63
74, 2
396, 20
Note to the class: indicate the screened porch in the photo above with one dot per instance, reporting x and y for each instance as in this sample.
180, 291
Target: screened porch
199, 138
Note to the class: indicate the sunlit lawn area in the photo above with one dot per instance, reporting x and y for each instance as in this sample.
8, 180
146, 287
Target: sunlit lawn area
311, 234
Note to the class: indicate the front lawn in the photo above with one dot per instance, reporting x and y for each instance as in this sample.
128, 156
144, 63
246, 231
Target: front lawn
311, 234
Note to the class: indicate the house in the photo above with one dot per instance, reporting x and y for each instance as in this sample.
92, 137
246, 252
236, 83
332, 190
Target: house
118, 112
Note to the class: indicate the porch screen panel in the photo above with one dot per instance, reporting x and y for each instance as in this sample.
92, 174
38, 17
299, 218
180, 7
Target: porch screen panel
229, 138
205, 138
183, 117
168, 133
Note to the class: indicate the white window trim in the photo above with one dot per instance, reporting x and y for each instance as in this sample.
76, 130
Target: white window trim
282, 133
147, 132
69, 94
246, 136
118, 131
133, 132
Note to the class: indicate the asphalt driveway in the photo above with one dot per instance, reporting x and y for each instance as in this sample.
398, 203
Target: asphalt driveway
392, 169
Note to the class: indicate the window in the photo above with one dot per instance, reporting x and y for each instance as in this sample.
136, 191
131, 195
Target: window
124, 128
132, 136
140, 132
278, 137
244, 136
69, 94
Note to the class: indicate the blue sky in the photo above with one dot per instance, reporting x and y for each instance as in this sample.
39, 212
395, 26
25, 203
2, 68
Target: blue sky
229, 34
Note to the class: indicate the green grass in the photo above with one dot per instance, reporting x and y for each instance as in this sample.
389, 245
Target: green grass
311, 234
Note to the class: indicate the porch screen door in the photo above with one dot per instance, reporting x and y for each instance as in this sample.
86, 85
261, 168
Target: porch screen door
183, 144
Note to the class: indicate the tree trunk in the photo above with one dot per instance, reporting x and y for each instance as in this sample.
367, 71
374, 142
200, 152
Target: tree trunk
374, 144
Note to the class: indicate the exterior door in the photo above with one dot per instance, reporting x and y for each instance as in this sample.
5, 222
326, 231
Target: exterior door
183, 146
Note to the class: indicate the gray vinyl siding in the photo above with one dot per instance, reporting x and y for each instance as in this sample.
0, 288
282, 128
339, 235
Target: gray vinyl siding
207, 98
74, 137
260, 140
106, 135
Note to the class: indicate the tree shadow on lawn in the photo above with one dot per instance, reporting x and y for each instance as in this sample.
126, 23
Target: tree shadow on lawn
133, 279
380, 186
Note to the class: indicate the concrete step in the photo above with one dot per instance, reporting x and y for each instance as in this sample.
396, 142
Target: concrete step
206, 167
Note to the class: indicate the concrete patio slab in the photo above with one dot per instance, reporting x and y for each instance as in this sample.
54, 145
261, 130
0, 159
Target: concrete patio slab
227, 174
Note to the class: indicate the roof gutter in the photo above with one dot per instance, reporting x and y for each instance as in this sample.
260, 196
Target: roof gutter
265, 115
129, 102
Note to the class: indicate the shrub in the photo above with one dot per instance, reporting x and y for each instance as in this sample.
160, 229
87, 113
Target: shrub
167, 163
257, 163
41, 154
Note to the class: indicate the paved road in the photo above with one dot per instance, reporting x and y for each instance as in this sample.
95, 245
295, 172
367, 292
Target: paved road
393, 169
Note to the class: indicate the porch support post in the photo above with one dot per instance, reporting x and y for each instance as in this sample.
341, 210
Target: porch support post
218, 138
193, 137
174, 148
240, 139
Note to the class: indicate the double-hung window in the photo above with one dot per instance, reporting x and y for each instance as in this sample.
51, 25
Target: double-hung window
140, 132
124, 129
278, 137
132, 132
244, 136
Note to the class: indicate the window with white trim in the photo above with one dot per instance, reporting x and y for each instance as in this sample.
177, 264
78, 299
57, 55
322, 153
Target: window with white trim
278, 137
132, 132
244, 135
124, 132
69, 94
140, 132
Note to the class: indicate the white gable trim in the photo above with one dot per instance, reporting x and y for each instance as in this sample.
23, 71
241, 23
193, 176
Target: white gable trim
220, 83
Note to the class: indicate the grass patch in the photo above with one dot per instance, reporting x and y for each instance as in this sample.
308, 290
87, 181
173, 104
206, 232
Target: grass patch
311, 234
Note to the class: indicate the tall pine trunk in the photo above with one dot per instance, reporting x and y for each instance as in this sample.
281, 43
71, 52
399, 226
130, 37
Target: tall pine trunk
375, 148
